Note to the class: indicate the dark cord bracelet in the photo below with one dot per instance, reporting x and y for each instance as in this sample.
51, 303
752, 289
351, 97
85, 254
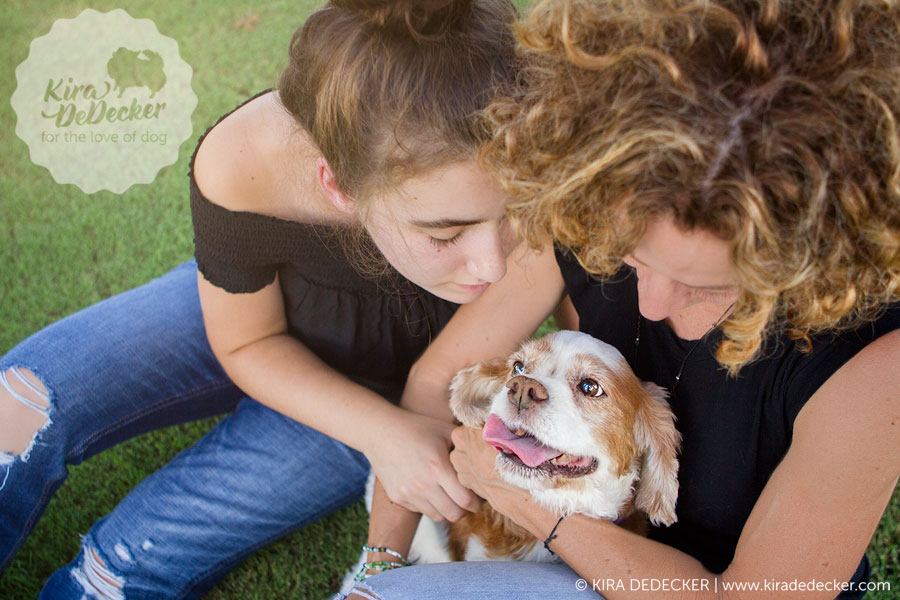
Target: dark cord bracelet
552, 536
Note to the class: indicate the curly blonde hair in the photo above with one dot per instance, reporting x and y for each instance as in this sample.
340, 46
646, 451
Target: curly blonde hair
772, 125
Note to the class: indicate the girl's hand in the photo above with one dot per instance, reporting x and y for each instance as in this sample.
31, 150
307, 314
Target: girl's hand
411, 460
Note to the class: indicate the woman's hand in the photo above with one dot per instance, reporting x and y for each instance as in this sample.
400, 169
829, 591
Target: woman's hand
411, 461
474, 461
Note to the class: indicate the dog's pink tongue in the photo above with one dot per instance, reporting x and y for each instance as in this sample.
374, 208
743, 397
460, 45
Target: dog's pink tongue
527, 448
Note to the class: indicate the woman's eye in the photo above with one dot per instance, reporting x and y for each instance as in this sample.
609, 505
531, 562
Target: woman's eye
716, 296
518, 368
590, 388
444, 242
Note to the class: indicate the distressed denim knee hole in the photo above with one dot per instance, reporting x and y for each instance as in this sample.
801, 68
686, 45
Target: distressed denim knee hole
24, 412
95, 577
358, 593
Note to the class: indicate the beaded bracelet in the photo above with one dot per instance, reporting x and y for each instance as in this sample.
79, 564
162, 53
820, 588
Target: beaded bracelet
393, 553
377, 566
381, 565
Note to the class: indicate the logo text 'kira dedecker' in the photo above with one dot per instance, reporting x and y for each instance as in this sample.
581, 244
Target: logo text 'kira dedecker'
128, 68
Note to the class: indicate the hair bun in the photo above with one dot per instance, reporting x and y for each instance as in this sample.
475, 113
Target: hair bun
422, 19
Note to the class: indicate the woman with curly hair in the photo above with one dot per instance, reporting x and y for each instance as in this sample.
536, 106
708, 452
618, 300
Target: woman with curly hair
364, 156
722, 184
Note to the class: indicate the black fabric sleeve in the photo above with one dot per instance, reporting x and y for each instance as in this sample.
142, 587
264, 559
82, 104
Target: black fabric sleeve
231, 248
239, 252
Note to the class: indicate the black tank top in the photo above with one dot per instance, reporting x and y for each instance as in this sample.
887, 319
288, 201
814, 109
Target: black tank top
735, 430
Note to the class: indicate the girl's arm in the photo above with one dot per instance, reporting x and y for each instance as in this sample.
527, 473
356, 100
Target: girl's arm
241, 166
494, 325
248, 335
811, 523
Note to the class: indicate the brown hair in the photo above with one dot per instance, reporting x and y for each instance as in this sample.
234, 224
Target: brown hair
390, 89
772, 125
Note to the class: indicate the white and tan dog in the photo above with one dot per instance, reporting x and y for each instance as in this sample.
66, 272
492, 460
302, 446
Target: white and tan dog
575, 427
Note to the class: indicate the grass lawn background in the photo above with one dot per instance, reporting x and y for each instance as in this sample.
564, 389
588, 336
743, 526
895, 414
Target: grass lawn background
62, 250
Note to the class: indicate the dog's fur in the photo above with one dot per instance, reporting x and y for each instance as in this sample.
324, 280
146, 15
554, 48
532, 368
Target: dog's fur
618, 444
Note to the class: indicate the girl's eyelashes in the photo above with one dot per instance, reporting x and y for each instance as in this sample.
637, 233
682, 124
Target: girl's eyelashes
444, 242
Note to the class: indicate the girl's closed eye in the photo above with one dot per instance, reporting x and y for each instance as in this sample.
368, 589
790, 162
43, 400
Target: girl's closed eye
444, 242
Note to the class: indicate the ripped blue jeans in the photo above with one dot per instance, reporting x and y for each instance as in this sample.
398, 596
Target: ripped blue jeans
140, 361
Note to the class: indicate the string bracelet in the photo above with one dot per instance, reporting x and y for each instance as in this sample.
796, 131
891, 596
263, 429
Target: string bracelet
553, 535
381, 565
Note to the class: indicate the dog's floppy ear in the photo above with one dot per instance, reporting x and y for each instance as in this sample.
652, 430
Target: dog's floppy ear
473, 388
658, 441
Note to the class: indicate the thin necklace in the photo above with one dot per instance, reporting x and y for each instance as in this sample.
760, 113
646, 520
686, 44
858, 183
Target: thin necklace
637, 342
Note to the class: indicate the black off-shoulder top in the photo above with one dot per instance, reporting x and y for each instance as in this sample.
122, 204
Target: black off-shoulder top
371, 330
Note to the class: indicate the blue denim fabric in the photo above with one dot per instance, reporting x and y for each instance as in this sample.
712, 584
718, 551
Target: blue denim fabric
136, 362
467, 580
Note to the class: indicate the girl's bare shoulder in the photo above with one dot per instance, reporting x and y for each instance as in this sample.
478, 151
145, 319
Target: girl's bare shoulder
258, 159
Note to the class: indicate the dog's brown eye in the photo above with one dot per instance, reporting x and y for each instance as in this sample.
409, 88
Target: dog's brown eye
590, 388
518, 368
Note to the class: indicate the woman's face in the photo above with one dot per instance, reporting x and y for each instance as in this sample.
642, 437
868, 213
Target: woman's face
679, 269
445, 231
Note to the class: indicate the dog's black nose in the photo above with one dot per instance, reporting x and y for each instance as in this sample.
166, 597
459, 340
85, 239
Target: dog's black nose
524, 391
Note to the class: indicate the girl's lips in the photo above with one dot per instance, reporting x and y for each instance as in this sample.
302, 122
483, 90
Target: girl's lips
475, 288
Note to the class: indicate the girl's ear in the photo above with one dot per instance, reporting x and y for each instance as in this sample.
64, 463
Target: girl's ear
339, 199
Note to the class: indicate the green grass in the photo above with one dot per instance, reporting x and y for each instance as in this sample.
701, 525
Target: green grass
61, 250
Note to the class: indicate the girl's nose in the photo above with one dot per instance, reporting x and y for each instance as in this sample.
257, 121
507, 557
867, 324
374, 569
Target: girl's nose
487, 260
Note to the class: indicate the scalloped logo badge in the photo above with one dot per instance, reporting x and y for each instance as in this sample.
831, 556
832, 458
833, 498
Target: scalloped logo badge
104, 101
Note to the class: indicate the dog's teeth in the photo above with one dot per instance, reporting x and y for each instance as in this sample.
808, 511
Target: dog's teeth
520, 432
562, 458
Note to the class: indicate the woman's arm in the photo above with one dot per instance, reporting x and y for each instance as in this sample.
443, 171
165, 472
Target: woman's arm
812, 521
494, 325
508, 312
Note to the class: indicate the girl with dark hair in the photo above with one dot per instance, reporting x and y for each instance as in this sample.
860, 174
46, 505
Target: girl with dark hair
339, 222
